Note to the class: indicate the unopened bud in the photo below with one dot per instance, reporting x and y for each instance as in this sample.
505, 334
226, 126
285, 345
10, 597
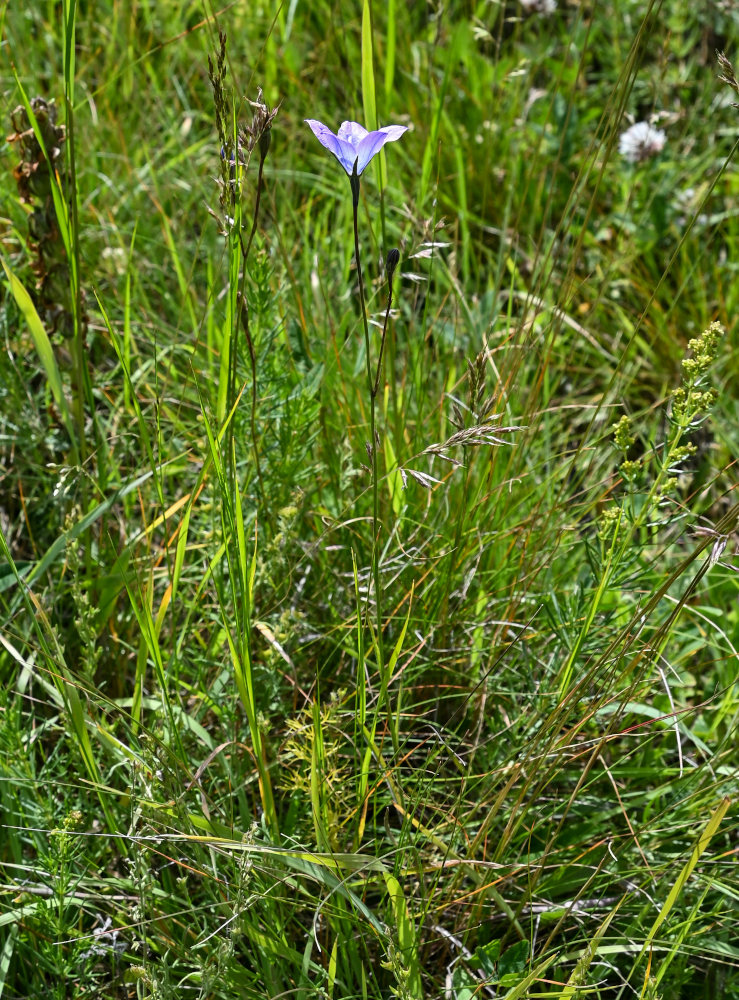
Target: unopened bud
392, 261
264, 140
354, 181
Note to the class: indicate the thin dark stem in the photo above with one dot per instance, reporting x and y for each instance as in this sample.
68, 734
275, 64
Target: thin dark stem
373, 435
80, 374
376, 386
244, 311
242, 318
372, 385
256, 209
244, 315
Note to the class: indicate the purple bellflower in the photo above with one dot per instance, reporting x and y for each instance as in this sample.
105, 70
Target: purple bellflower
353, 143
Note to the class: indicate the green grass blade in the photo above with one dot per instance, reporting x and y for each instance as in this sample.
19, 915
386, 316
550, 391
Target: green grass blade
369, 101
390, 41
406, 935
44, 350
6, 956
707, 834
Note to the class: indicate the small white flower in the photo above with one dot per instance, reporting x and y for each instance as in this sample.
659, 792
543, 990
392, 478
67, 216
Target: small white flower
539, 6
640, 142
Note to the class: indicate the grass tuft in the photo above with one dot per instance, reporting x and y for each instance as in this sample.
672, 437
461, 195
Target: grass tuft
368, 564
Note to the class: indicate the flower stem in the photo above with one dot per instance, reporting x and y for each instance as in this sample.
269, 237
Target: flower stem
392, 262
374, 437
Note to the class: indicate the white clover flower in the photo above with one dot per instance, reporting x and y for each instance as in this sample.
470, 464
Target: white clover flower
640, 142
539, 6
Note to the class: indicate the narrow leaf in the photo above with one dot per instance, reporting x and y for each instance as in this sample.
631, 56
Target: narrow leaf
43, 348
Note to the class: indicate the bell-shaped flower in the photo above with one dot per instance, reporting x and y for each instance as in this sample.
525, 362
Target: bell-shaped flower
353, 143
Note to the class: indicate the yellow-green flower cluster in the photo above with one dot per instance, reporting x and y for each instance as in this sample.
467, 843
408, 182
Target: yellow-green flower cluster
622, 435
689, 401
608, 520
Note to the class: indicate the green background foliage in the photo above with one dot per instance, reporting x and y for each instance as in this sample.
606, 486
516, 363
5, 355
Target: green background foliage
218, 778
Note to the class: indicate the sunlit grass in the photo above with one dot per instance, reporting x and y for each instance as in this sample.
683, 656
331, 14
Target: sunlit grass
227, 768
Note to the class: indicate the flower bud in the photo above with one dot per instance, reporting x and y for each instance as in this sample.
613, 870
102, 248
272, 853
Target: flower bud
264, 140
354, 181
391, 262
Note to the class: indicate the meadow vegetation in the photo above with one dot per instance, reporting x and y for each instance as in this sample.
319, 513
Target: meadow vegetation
332, 675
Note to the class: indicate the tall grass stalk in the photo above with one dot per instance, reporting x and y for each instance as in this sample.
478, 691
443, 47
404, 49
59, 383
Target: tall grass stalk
69, 221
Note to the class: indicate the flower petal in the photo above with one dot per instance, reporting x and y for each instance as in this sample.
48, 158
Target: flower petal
393, 132
374, 141
352, 132
348, 155
353, 142
344, 151
325, 136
